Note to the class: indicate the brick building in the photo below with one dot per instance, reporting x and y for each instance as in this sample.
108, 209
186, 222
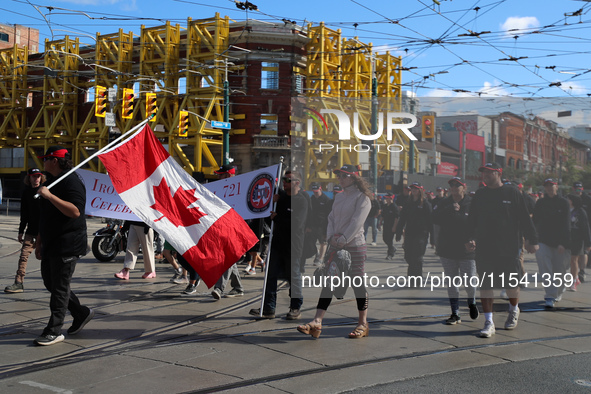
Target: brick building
20, 35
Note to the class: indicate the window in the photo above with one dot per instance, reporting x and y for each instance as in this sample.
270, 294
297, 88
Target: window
268, 124
270, 75
4, 37
299, 84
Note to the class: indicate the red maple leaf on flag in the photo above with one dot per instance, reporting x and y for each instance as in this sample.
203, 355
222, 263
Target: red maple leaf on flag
176, 208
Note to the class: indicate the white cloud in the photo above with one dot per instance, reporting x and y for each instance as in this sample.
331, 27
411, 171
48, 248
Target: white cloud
492, 90
515, 24
574, 88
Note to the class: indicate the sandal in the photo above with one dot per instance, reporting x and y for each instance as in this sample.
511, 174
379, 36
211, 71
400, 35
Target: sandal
309, 329
360, 331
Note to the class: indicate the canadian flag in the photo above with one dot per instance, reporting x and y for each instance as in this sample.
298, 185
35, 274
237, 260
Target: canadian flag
209, 234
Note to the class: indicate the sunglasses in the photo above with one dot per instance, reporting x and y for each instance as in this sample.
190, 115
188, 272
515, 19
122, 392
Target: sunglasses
342, 175
289, 180
48, 158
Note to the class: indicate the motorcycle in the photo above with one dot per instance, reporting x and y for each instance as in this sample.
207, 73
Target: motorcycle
109, 240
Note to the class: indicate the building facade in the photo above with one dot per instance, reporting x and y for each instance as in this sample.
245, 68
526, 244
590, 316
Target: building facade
22, 36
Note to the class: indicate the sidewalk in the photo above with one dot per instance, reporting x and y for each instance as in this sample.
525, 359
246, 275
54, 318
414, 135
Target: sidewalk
146, 337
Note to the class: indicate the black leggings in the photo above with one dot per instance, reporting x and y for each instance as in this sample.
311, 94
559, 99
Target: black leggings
360, 295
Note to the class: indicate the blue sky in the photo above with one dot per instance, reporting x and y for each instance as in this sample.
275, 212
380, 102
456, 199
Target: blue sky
493, 48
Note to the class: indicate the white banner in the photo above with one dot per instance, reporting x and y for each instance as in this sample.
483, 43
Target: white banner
102, 199
249, 194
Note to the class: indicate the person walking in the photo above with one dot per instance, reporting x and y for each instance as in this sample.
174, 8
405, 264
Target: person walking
231, 274
345, 231
372, 221
578, 190
417, 225
552, 219
290, 216
28, 227
60, 243
496, 221
389, 218
451, 215
139, 234
580, 237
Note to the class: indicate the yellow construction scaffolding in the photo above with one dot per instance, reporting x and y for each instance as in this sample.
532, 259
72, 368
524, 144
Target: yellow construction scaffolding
49, 99
339, 77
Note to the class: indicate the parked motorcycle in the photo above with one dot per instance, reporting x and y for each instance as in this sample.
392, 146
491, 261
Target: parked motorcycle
110, 240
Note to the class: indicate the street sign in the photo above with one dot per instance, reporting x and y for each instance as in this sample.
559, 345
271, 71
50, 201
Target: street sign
112, 95
110, 119
221, 125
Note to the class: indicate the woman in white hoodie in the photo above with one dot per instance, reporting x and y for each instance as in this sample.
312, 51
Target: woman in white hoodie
345, 231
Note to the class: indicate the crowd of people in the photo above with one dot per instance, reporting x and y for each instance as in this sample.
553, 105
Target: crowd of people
481, 234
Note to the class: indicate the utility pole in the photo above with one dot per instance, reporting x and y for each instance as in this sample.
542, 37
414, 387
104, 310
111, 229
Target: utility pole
226, 139
411, 144
374, 127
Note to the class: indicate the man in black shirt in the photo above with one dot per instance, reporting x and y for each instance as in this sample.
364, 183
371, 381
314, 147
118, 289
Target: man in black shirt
451, 215
390, 214
498, 217
290, 217
28, 227
578, 191
61, 242
552, 220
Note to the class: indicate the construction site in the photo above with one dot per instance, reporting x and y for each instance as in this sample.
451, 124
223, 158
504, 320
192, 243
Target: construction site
247, 75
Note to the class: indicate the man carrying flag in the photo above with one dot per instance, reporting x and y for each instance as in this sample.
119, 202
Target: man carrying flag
209, 234
60, 243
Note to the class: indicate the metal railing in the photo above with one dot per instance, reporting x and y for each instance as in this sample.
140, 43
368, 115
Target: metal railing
6, 203
270, 141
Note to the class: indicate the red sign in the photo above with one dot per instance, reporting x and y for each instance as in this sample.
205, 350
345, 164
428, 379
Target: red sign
446, 168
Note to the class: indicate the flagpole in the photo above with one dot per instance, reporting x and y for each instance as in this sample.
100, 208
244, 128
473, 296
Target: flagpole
268, 257
108, 146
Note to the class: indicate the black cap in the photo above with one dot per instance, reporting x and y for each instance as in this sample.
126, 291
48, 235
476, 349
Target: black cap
55, 151
439, 188
34, 171
577, 185
348, 169
337, 188
456, 179
550, 180
226, 169
416, 185
491, 166
315, 186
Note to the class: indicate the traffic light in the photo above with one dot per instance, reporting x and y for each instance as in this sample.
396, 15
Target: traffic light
151, 106
428, 130
183, 123
100, 101
127, 108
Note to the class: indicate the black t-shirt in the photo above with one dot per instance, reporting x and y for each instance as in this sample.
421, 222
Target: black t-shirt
389, 214
496, 220
29, 223
61, 235
321, 207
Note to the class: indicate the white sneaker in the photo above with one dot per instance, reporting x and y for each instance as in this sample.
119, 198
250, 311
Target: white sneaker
512, 320
251, 271
488, 330
549, 303
373, 244
180, 280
